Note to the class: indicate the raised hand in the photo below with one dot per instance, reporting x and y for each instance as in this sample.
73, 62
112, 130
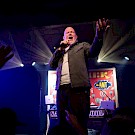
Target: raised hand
102, 26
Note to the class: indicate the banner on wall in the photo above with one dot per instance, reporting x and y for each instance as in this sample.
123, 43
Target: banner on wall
103, 81
104, 86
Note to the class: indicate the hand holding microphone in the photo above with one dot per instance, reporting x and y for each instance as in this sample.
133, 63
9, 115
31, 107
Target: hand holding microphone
63, 44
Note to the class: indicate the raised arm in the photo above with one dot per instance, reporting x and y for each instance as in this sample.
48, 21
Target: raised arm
102, 26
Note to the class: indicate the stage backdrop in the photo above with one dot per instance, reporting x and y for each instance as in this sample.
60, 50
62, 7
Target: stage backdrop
103, 81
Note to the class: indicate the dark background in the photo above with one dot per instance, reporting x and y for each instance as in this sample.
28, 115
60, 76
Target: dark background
23, 88
46, 12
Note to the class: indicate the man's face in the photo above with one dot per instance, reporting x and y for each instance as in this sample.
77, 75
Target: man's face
70, 35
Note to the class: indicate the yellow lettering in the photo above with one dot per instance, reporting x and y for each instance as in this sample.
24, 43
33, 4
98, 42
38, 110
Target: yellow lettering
103, 84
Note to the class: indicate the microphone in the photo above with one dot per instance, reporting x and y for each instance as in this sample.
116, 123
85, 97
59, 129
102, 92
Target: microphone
63, 45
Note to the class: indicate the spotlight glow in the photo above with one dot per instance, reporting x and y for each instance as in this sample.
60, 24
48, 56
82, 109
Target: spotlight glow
22, 65
126, 58
33, 63
113, 45
99, 60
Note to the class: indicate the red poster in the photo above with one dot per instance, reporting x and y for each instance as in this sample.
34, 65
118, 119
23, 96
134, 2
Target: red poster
104, 86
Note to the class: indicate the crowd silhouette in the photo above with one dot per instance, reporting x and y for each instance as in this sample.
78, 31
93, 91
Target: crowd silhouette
122, 122
8, 121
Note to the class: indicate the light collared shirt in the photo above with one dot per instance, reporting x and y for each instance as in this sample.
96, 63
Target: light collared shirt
65, 77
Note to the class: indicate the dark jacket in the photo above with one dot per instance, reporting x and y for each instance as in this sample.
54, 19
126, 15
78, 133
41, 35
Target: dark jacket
78, 56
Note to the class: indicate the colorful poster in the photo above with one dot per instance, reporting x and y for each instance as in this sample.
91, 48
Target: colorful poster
103, 81
52, 84
104, 86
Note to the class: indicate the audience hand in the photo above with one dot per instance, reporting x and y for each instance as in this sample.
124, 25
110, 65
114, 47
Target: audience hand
5, 54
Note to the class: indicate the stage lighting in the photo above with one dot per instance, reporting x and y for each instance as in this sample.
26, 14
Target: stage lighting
33, 63
22, 65
99, 60
126, 58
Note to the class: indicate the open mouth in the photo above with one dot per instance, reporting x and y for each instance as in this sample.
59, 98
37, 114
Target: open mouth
70, 37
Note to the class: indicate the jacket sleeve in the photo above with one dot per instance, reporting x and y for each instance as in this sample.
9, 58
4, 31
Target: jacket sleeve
96, 47
93, 50
53, 63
